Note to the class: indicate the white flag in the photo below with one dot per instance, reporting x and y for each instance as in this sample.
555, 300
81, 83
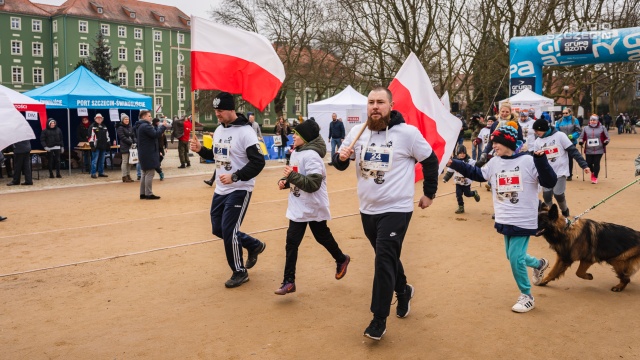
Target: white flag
445, 101
13, 126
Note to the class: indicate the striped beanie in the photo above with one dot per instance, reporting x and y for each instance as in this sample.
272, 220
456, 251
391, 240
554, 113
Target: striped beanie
506, 136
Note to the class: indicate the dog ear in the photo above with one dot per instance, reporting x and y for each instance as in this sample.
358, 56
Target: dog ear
542, 206
553, 212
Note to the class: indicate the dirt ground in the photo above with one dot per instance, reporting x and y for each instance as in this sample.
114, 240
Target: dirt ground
95, 273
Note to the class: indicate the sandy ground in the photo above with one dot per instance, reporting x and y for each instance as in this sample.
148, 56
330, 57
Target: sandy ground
92, 272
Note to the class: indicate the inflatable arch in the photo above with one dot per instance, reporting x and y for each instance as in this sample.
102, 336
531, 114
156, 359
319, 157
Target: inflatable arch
529, 54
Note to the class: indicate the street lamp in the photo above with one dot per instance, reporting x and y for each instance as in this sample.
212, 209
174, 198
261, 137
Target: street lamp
307, 90
566, 90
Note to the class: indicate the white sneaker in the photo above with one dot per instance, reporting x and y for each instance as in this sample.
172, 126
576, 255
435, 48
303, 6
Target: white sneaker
538, 274
524, 304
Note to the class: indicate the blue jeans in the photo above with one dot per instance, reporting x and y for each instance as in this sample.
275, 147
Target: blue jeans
281, 152
335, 144
138, 170
476, 150
516, 247
97, 161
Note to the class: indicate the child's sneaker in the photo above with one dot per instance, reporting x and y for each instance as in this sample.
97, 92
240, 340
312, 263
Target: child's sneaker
538, 273
287, 287
460, 209
525, 303
341, 268
488, 186
476, 196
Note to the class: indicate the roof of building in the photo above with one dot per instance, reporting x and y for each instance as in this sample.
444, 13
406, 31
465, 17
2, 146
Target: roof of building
23, 7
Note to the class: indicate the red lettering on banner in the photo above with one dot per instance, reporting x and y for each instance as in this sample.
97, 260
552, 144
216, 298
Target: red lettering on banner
353, 119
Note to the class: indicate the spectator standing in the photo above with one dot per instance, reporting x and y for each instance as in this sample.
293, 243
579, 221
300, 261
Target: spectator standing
620, 123
100, 144
163, 146
607, 121
52, 142
148, 153
255, 126
181, 129
84, 133
21, 163
127, 139
336, 135
282, 130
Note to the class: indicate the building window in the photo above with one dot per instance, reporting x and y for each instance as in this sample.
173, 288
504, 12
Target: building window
84, 50
297, 84
157, 57
122, 53
298, 103
38, 76
16, 23
158, 80
157, 35
16, 75
106, 29
137, 34
180, 38
56, 74
16, 47
83, 26
36, 25
55, 26
267, 109
36, 49
122, 31
55, 49
122, 77
100, 11
137, 55
158, 103
180, 71
132, 15
139, 78
181, 96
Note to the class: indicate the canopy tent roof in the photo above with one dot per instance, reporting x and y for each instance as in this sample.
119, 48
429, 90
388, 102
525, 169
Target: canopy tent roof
348, 96
24, 103
83, 89
528, 95
527, 100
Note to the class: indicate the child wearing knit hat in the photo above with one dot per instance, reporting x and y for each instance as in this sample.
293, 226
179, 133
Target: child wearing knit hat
308, 202
515, 200
463, 184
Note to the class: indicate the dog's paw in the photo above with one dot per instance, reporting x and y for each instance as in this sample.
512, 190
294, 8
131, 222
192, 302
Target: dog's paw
617, 288
543, 283
588, 277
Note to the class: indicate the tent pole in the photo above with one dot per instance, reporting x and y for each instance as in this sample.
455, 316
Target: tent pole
69, 138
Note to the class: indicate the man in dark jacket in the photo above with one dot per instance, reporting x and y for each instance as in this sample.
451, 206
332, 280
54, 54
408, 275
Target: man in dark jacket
22, 163
100, 144
148, 153
336, 134
83, 134
51, 140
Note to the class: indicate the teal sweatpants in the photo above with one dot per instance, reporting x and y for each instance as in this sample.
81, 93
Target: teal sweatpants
516, 247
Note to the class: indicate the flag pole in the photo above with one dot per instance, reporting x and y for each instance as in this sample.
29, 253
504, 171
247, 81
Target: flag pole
353, 143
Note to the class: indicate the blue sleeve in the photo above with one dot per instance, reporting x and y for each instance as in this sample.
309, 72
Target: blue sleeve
520, 137
546, 176
469, 171
489, 146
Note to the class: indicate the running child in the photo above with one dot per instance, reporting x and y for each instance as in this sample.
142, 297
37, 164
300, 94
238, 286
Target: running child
515, 202
306, 176
463, 184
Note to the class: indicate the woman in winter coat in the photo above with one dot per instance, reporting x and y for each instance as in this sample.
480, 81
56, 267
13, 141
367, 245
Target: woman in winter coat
282, 129
127, 137
596, 138
570, 126
51, 139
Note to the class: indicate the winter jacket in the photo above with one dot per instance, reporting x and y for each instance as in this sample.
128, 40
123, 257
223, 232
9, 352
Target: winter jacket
99, 139
177, 129
310, 182
126, 135
283, 131
619, 120
148, 150
336, 130
51, 137
590, 133
83, 133
570, 126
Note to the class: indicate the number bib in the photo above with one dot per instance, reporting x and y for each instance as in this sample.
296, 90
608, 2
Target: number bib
221, 152
377, 158
593, 142
552, 152
509, 181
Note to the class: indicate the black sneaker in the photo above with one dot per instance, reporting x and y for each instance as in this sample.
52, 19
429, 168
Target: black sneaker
181, 166
376, 329
404, 302
252, 257
238, 278
565, 213
208, 182
143, 196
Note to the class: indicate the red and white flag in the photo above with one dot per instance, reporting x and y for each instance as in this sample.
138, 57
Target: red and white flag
13, 126
415, 99
234, 60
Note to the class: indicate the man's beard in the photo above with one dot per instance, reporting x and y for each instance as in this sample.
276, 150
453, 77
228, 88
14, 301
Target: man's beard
380, 124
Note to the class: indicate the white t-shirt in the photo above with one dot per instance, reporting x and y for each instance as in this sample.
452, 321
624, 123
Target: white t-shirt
458, 178
230, 154
390, 187
554, 146
528, 133
484, 135
304, 206
514, 190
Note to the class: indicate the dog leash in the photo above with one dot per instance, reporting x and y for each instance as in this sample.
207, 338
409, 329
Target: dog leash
575, 218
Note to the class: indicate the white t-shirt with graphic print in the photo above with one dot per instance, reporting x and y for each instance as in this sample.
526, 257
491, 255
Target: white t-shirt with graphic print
398, 148
484, 135
305, 206
554, 146
528, 133
458, 178
230, 154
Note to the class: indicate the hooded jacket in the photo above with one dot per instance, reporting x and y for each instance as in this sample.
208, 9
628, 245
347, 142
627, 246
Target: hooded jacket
570, 126
589, 133
51, 137
148, 150
126, 135
310, 182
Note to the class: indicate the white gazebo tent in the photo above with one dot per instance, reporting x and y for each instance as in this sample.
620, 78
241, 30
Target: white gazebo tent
526, 100
349, 105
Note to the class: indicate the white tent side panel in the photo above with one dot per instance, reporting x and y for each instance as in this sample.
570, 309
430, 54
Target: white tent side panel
527, 100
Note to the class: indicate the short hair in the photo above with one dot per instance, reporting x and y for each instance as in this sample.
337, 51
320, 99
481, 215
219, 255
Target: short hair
143, 113
382, 88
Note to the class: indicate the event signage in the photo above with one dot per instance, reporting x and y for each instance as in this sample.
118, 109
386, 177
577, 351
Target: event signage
31, 115
83, 112
113, 115
520, 84
576, 46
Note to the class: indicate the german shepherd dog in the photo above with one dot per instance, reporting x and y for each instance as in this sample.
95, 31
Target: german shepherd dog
589, 242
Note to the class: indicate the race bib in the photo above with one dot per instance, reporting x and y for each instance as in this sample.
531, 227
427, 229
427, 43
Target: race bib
377, 158
509, 181
552, 152
221, 152
593, 142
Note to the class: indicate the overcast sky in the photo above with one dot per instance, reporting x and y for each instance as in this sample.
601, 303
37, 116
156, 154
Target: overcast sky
193, 7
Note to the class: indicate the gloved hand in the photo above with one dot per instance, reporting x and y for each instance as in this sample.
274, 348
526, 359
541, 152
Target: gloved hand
570, 136
606, 142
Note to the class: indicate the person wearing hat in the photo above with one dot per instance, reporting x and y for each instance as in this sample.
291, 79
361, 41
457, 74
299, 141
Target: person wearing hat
83, 132
127, 137
306, 177
100, 144
595, 138
463, 184
238, 160
52, 141
515, 200
571, 127
559, 150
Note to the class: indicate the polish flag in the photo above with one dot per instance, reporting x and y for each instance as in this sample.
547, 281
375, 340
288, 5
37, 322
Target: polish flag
445, 101
13, 126
234, 60
415, 99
